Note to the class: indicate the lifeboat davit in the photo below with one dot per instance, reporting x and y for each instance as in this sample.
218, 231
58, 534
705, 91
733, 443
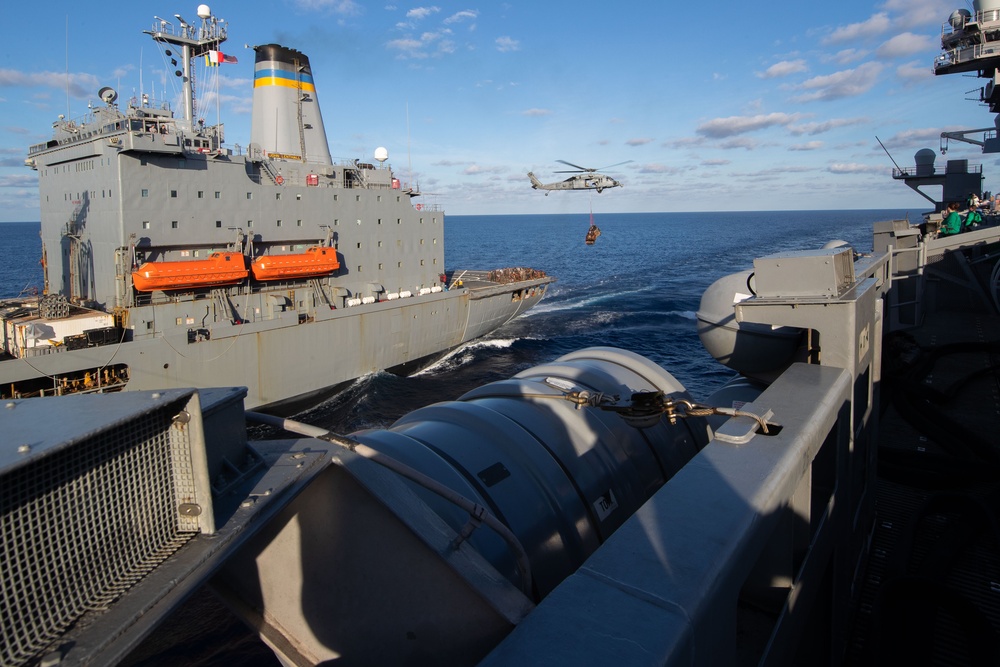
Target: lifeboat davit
221, 268
315, 261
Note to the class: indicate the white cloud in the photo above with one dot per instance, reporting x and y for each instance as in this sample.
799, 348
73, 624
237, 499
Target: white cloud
808, 146
907, 44
783, 68
875, 25
657, 168
78, 85
915, 71
855, 168
19, 180
733, 125
536, 112
420, 13
825, 126
913, 13
505, 44
846, 83
739, 142
465, 15
639, 141
847, 56
476, 169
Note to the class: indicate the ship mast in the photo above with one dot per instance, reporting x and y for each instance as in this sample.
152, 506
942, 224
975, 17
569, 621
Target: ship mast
192, 42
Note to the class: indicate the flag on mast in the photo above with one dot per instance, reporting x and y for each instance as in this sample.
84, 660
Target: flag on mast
216, 58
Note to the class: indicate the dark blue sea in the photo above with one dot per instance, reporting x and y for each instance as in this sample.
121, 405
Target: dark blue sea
638, 287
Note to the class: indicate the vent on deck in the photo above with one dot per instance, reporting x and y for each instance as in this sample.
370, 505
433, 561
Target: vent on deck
93, 496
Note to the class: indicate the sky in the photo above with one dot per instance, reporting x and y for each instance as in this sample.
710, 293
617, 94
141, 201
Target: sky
741, 105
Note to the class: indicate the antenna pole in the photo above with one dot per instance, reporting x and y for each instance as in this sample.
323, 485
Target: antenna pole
887, 153
68, 115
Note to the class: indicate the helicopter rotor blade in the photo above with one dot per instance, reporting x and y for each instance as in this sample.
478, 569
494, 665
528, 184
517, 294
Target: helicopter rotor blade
614, 165
570, 164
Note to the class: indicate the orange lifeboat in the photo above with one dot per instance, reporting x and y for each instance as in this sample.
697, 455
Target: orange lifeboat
315, 261
221, 268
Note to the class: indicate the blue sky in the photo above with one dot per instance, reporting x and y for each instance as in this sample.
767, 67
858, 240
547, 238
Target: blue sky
736, 106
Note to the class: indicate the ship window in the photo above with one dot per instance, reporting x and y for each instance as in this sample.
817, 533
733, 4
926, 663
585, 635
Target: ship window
359, 245
249, 195
435, 241
201, 194
398, 221
378, 198
298, 197
399, 265
380, 266
218, 195
145, 224
277, 195
145, 192
218, 223
357, 197
421, 262
298, 223
421, 241
399, 243
435, 260
249, 223
279, 223
336, 222
335, 197
379, 244
380, 221
173, 194
359, 268
173, 224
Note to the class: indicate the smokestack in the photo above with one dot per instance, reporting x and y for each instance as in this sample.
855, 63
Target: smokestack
287, 122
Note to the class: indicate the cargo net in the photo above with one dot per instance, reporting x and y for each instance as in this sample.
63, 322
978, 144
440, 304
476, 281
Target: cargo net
81, 526
514, 275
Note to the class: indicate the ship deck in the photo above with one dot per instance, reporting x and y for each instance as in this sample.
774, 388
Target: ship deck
931, 587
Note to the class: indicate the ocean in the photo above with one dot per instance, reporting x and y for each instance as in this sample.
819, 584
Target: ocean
638, 287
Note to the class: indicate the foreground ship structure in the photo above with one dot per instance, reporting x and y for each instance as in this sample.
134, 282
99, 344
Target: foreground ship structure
171, 259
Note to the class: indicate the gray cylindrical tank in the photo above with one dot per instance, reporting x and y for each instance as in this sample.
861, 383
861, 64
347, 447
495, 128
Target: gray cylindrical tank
562, 478
756, 350
286, 121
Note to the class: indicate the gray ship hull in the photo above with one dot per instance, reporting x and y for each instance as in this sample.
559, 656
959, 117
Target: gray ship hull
284, 360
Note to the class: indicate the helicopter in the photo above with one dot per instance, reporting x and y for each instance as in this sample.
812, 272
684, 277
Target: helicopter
584, 179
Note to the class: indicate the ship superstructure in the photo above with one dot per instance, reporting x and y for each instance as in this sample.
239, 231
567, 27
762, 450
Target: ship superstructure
273, 267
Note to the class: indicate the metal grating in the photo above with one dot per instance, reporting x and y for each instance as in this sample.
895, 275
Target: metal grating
83, 524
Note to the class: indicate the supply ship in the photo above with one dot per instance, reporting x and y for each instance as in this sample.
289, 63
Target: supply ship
173, 260
835, 503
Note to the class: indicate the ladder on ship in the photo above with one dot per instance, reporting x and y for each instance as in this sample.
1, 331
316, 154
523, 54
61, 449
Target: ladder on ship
267, 167
320, 291
223, 305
